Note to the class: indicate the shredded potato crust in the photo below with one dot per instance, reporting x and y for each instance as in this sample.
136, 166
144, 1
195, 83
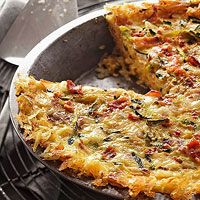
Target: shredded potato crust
147, 143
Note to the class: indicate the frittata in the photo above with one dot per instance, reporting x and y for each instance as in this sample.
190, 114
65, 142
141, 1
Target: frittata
145, 143
159, 43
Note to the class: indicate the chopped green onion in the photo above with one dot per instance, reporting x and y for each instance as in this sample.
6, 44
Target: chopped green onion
115, 131
187, 122
138, 160
108, 139
71, 140
152, 32
167, 23
140, 52
159, 75
197, 28
148, 157
137, 101
137, 113
195, 20
157, 121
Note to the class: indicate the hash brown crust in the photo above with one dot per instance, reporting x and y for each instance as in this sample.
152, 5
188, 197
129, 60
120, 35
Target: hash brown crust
146, 143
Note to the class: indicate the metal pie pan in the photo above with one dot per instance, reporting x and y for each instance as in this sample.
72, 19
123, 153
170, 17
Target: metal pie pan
72, 52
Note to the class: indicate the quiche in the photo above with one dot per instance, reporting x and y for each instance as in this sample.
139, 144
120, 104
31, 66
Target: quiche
144, 143
159, 44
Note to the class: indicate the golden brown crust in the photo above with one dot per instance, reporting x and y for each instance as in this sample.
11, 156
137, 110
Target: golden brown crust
157, 42
146, 143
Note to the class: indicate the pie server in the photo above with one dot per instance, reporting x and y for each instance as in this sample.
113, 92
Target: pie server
36, 21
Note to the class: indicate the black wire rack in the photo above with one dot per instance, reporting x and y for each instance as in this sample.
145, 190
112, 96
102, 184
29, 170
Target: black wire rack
22, 177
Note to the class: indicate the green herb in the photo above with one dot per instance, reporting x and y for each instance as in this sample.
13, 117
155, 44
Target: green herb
197, 28
157, 121
188, 122
76, 127
158, 144
71, 140
126, 34
137, 113
159, 75
138, 160
91, 108
149, 137
115, 131
115, 97
48, 90
194, 36
167, 23
195, 20
80, 135
152, 167
152, 32
65, 98
197, 35
110, 132
148, 158
149, 120
75, 124
116, 163
140, 52
108, 139
169, 150
102, 128
181, 52
162, 62
137, 101
94, 144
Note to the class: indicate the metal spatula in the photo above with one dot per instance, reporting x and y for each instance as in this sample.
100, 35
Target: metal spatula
37, 20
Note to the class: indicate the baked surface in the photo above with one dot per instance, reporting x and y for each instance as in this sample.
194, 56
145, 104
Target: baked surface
158, 42
147, 143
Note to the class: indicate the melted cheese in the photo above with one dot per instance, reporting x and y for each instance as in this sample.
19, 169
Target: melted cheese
146, 143
116, 136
